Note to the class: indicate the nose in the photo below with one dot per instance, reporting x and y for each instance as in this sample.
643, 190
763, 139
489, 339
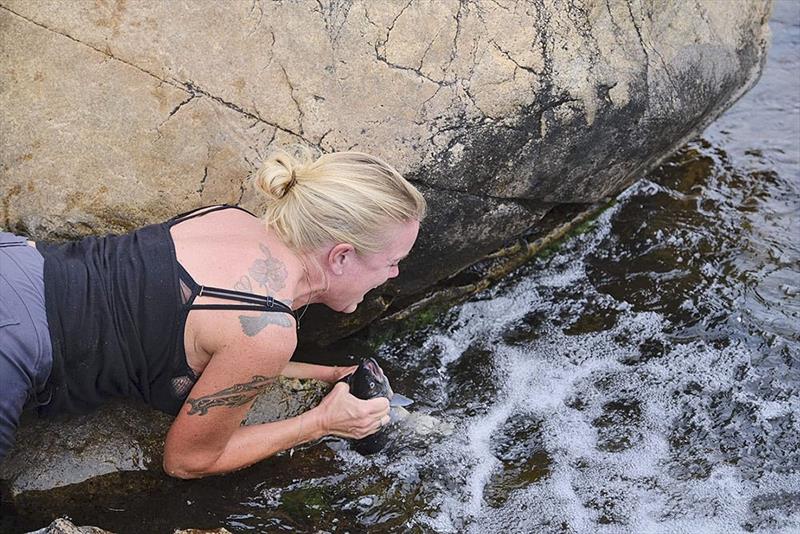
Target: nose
394, 271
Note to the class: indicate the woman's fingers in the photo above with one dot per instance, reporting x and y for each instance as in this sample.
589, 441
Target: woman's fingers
350, 417
378, 406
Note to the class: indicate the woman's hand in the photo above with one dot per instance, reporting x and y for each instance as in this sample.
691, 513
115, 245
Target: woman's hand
346, 416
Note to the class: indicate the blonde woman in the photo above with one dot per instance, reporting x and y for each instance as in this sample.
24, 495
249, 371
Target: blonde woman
196, 316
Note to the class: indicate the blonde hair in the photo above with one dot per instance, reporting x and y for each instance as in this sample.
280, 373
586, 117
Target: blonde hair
341, 197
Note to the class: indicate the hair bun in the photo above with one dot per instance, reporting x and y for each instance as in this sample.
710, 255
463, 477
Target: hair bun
278, 175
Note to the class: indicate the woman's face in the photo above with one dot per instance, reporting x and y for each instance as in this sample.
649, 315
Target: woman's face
361, 273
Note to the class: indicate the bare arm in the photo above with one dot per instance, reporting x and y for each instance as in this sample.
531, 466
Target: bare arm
340, 414
207, 437
250, 444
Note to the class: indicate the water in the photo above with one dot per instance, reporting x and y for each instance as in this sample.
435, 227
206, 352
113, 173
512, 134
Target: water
643, 378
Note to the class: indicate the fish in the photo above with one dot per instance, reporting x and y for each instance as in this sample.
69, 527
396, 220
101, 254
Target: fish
368, 381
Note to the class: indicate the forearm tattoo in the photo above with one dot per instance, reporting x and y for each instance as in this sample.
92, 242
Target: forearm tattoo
237, 395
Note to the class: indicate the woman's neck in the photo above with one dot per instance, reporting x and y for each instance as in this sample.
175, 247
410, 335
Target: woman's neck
312, 282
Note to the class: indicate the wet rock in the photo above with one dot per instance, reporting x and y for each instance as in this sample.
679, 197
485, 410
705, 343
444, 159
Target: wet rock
527, 329
472, 379
120, 437
198, 531
519, 447
289, 398
51, 453
618, 426
65, 526
119, 114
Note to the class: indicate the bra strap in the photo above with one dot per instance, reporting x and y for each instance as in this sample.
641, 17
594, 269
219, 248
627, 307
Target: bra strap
250, 301
191, 214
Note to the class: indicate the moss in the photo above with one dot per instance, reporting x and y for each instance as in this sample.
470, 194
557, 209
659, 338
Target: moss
484, 274
392, 328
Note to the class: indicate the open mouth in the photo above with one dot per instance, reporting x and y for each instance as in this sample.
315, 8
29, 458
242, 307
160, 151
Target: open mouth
373, 368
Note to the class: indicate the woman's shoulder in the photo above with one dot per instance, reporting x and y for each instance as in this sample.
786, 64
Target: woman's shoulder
264, 338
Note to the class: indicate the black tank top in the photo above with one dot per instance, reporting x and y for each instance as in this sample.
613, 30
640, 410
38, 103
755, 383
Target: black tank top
116, 308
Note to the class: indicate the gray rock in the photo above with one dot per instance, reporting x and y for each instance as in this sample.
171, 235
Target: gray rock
117, 114
120, 437
65, 526
51, 453
288, 398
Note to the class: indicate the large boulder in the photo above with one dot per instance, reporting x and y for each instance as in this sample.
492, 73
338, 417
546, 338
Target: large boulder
116, 114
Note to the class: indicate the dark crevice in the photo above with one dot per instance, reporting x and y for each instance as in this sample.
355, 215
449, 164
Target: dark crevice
644, 49
194, 89
175, 110
507, 54
203, 181
300, 113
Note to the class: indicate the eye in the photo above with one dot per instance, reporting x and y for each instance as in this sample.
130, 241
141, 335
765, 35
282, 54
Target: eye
372, 385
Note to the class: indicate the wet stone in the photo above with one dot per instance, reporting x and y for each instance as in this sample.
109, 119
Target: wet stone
772, 511
687, 171
605, 504
693, 449
526, 329
518, 445
595, 318
472, 380
617, 427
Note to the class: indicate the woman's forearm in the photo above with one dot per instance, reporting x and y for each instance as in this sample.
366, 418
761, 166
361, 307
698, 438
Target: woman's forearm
251, 444
326, 373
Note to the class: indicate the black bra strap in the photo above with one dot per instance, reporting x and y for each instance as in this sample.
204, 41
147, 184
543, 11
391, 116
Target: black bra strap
250, 301
202, 211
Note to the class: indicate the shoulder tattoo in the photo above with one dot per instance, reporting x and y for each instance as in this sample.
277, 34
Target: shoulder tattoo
269, 272
234, 396
251, 326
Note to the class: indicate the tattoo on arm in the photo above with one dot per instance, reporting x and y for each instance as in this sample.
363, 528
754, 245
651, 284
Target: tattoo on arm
253, 325
237, 395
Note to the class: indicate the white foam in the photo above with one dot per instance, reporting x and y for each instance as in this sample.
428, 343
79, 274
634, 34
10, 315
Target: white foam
633, 488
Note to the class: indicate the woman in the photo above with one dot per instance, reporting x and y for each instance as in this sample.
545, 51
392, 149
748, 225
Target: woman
196, 316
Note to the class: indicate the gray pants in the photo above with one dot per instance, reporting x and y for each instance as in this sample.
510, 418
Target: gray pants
26, 355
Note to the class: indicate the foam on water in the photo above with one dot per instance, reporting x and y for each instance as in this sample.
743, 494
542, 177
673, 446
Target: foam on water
632, 438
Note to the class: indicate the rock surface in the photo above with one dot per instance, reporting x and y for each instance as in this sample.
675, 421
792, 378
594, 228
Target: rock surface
65, 526
116, 114
122, 437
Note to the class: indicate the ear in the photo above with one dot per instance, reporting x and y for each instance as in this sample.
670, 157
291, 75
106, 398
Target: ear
340, 256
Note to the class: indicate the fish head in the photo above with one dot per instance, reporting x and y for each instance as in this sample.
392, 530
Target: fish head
368, 381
